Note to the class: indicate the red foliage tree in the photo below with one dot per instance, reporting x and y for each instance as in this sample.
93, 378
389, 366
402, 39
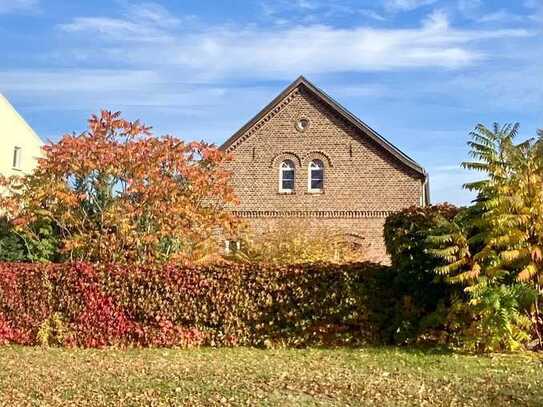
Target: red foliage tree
115, 193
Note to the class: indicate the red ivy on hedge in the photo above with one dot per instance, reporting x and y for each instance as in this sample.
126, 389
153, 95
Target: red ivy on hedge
86, 305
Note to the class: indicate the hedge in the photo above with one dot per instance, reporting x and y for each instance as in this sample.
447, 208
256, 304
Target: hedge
423, 298
84, 305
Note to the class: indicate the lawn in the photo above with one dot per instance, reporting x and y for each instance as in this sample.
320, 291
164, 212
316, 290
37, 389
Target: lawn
241, 376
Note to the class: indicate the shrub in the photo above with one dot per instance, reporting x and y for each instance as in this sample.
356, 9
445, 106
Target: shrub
500, 322
293, 241
11, 245
421, 297
39, 242
78, 304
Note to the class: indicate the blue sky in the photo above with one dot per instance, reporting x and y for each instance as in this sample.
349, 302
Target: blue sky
421, 72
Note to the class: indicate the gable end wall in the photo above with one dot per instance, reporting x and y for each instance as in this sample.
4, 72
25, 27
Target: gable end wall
363, 182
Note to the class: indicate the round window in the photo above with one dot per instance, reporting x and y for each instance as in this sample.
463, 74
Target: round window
302, 124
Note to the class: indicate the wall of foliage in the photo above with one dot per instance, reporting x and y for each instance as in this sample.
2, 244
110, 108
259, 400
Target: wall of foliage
423, 298
79, 304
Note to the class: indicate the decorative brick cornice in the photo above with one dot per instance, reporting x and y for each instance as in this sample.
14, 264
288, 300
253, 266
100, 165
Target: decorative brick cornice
342, 214
259, 124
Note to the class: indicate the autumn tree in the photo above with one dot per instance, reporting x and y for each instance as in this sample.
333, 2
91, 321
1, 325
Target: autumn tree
496, 249
116, 193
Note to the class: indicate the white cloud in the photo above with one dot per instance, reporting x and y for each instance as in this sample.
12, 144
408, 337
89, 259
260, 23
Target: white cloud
306, 4
76, 80
273, 7
155, 13
371, 14
147, 22
116, 29
469, 8
310, 11
170, 104
97, 88
217, 52
536, 7
516, 89
76, 88
406, 5
18, 6
500, 16
475, 10
322, 10
360, 90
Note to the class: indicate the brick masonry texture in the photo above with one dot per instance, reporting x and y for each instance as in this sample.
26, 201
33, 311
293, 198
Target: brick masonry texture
363, 182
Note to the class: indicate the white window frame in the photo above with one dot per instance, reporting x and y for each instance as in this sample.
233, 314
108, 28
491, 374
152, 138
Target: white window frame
310, 176
228, 246
283, 169
17, 158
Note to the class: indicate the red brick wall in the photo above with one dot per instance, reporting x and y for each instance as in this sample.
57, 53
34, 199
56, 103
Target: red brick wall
362, 183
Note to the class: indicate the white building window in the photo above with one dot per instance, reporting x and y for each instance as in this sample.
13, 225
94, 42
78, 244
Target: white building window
17, 158
316, 176
232, 246
286, 176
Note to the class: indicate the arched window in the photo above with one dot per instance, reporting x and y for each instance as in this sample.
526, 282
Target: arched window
316, 176
286, 176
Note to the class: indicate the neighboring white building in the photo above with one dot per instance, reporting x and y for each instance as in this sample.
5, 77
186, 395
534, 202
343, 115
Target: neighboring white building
20, 146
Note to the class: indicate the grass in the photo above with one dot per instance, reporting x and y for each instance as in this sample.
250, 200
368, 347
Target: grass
241, 376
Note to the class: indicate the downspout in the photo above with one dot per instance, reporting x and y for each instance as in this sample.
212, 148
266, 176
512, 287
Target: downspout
426, 190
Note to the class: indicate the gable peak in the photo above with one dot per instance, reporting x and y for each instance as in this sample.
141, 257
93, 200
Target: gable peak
335, 106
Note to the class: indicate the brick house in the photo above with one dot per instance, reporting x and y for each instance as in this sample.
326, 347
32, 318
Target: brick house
306, 158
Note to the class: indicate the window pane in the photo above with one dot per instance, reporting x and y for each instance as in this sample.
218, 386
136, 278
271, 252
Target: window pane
17, 157
287, 184
288, 174
317, 174
317, 178
316, 183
